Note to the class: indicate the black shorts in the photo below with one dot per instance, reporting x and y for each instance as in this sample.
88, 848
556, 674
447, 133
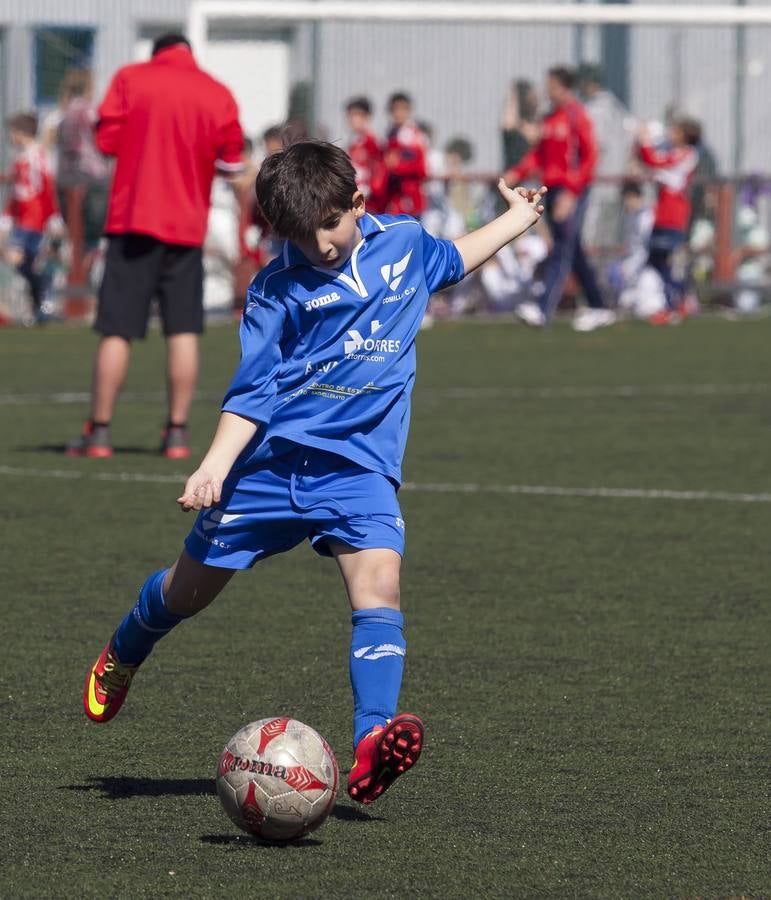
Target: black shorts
139, 268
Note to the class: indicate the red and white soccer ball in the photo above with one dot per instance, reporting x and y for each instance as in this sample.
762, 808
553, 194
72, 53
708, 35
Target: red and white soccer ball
277, 779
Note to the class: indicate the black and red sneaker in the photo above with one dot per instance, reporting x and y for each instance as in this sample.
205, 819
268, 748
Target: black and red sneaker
94, 442
175, 442
384, 754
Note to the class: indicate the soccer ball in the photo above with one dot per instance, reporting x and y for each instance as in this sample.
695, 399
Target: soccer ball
277, 779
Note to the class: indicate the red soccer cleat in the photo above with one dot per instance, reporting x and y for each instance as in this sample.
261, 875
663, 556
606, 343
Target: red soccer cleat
383, 755
94, 442
665, 317
107, 684
175, 442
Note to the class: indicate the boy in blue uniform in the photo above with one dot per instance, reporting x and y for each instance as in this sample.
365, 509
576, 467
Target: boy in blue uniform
312, 433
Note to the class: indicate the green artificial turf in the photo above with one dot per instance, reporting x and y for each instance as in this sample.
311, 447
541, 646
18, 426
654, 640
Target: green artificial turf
592, 670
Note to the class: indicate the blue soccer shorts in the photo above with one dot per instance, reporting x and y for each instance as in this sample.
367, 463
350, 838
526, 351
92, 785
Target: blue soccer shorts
306, 493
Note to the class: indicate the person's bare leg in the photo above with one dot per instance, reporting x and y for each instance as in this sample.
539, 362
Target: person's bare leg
386, 745
190, 586
181, 374
371, 577
110, 368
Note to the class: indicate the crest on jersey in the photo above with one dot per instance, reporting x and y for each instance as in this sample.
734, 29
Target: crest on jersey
392, 274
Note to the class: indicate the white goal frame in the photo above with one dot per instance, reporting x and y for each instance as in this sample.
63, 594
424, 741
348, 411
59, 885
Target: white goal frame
204, 11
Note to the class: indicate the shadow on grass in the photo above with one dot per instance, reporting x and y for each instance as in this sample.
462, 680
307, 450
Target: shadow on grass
250, 843
118, 788
58, 450
351, 814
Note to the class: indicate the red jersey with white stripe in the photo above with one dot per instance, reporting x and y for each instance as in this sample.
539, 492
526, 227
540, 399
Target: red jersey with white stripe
566, 154
673, 171
405, 161
367, 159
169, 125
33, 198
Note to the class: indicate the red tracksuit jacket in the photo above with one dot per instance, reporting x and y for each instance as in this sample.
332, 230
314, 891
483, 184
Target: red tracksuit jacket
674, 171
566, 154
169, 124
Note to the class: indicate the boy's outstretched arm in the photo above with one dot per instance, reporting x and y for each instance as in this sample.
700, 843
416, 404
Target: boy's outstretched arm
204, 486
524, 210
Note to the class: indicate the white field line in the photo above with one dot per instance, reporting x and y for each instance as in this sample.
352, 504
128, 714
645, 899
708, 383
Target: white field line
425, 487
557, 392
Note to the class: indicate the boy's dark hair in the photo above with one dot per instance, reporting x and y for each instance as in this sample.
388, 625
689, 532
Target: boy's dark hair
691, 130
564, 75
630, 186
361, 103
170, 39
399, 97
25, 122
297, 188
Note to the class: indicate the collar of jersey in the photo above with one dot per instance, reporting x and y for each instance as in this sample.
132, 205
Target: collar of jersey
368, 226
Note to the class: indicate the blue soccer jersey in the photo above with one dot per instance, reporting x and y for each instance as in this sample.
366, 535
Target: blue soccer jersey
328, 355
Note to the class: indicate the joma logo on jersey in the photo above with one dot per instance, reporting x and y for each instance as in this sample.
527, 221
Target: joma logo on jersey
324, 300
392, 274
358, 344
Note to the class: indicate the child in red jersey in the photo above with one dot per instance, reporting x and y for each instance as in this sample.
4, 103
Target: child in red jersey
365, 153
31, 206
673, 170
404, 154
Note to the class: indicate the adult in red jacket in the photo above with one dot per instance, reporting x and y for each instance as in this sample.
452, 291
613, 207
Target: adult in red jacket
566, 156
170, 126
404, 154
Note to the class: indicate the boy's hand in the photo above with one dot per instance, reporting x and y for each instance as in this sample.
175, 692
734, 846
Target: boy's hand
203, 489
522, 199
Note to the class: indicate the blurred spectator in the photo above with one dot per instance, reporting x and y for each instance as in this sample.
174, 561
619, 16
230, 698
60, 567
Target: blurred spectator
435, 185
753, 250
509, 278
461, 205
300, 124
702, 198
614, 134
231, 251
365, 153
565, 155
31, 207
251, 226
82, 174
673, 169
456, 205
273, 140
519, 122
637, 222
170, 127
404, 155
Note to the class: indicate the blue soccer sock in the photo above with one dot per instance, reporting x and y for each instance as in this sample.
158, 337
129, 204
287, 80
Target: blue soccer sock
146, 624
376, 665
